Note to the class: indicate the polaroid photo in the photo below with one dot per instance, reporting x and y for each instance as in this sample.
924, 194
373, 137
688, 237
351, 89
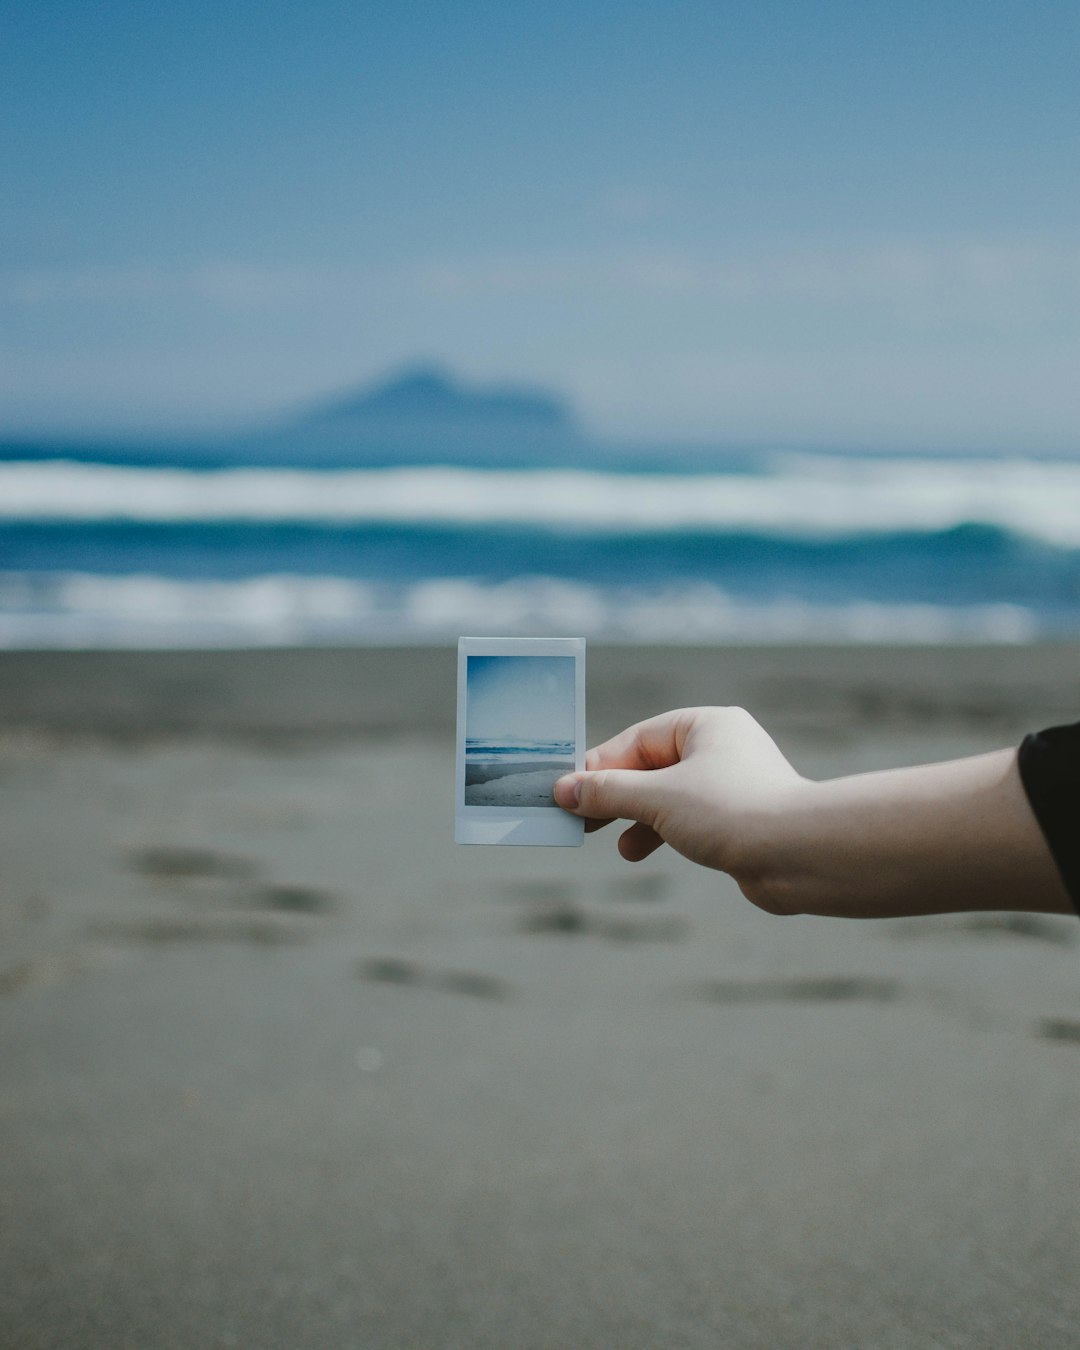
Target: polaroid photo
520, 726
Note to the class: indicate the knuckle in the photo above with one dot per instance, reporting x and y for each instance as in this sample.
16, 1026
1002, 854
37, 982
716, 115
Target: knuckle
733, 720
594, 788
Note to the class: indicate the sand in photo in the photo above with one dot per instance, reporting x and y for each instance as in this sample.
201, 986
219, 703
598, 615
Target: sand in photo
522, 783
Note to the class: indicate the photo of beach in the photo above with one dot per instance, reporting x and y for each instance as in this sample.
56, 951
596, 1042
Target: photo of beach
519, 731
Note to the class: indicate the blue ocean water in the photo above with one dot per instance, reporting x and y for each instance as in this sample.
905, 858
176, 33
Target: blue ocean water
784, 547
506, 752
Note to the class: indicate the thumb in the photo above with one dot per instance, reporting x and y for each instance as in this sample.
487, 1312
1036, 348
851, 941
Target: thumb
610, 794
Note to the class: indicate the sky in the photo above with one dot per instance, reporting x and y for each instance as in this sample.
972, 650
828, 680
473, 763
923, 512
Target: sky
849, 223
520, 698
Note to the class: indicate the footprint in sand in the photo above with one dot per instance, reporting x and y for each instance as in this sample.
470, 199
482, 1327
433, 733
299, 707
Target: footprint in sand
171, 862
287, 898
182, 865
827, 989
556, 907
1044, 928
398, 970
1059, 1029
1037, 927
648, 888
654, 928
575, 920
561, 917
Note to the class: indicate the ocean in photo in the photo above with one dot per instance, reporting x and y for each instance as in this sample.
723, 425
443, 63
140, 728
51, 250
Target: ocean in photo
107, 548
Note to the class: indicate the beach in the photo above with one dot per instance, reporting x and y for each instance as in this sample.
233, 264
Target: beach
526, 783
280, 1066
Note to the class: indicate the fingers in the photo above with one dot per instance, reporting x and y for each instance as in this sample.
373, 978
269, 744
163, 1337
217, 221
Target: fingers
609, 794
615, 785
653, 744
576, 791
636, 843
623, 779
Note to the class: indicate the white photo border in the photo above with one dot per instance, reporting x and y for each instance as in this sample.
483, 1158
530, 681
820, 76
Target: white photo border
544, 825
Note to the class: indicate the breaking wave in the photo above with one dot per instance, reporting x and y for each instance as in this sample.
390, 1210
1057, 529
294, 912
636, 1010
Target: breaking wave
800, 496
84, 610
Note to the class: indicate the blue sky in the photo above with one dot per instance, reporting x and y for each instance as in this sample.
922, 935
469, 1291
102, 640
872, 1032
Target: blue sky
520, 698
781, 223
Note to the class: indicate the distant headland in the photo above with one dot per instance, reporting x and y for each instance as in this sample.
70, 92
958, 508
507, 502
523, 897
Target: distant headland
423, 414
419, 415
426, 399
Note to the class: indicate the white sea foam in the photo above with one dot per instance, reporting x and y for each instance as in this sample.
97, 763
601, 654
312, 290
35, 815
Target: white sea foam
805, 495
79, 610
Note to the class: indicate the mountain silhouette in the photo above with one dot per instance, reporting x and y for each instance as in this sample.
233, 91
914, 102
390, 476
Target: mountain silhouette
422, 415
426, 399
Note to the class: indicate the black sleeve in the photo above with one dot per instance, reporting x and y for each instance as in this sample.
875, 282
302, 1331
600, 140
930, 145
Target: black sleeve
1049, 764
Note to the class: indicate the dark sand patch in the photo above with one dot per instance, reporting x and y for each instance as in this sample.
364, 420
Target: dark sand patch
564, 917
1059, 1029
826, 989
390, 970
1038, 927
1043, 928
575, 921
169, 861
288, 898
399, 970
472, 984
668, 928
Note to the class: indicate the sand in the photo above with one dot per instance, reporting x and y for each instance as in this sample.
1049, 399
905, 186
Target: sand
529, 784
282, 1067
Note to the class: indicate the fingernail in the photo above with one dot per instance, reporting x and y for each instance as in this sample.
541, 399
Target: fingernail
568, 792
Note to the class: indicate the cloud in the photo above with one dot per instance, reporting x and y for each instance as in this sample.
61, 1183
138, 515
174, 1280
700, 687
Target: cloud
913, 278
907, 276
911, 395
889, 340
228, 284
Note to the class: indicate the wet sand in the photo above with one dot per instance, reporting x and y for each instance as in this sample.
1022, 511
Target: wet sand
521, 784
282, 1067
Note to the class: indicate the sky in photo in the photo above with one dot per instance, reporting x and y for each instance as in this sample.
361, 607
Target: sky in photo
839, 223
520, 698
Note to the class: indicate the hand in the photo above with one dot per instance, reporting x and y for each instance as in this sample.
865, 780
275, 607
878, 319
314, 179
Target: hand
707, 781
929, 839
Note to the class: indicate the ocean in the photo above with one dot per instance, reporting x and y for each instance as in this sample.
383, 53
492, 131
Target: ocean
785, 547
510, 752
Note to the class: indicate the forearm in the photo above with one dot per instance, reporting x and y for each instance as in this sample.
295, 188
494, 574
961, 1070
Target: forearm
923, 840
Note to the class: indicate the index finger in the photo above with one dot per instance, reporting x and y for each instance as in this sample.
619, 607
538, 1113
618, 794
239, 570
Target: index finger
655, 743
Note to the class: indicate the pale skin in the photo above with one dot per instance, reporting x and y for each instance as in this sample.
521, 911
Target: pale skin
712, 784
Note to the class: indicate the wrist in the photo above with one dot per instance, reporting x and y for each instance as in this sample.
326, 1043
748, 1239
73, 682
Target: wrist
773, 863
